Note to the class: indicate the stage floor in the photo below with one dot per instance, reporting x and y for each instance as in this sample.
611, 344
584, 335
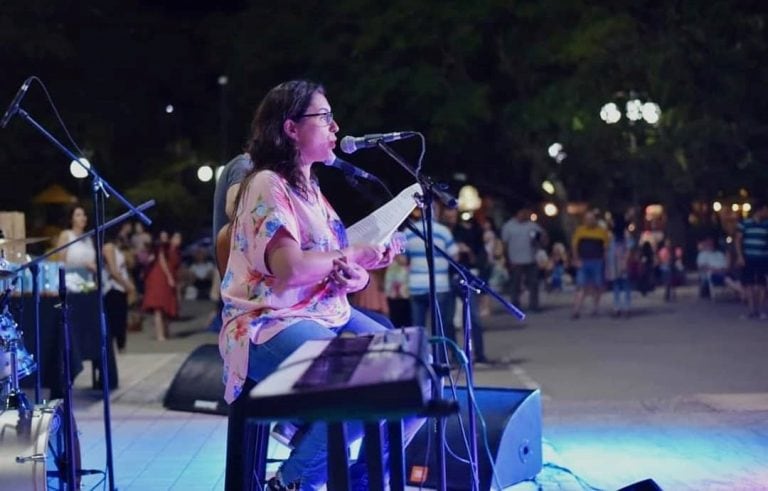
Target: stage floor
681, 426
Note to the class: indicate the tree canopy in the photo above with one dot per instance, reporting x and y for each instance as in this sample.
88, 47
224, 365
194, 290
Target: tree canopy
490, 83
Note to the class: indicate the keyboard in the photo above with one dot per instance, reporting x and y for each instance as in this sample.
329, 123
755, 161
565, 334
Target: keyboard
373, 376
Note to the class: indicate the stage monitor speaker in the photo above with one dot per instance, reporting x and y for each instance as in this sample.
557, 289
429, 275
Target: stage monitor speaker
513, 419
644, 485
197, 386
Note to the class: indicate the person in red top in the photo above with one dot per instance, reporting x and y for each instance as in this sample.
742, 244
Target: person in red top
160, 296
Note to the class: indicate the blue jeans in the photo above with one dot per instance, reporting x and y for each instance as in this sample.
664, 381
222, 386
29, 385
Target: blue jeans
622, 292
308, 461
590, 273
446, 305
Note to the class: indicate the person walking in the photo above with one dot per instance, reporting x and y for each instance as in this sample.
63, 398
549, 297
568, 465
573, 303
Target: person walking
522, 238
589, 245
160, 295
617, 270
752, 257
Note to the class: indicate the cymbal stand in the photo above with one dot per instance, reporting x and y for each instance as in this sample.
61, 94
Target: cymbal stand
69, 421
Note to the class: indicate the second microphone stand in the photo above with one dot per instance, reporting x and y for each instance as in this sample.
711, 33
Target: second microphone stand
100, 189
470, 282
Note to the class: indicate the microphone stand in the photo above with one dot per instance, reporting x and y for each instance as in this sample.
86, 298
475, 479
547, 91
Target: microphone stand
69, 421
470, 283
428, 194
100, 187
34, 269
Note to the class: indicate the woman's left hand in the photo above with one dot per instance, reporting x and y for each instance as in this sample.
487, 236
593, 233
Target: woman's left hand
348, 277
395, 247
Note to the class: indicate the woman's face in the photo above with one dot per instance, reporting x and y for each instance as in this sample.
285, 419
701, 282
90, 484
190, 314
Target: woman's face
315, 133
79, 218
176, 239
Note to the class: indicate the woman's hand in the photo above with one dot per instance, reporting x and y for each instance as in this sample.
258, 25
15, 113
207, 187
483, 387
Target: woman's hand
395, 247
348, 277
365, 255
375, 256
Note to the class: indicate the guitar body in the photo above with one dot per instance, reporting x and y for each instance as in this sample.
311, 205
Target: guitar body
223, 243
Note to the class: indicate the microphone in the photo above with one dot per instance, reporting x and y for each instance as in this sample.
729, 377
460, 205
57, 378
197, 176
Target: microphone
14, 107
349, 169
351, 144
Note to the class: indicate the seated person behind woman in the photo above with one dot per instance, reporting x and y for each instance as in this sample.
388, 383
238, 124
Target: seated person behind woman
290, 267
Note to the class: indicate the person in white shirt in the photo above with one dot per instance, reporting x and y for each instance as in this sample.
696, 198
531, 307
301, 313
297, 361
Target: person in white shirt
202, 272
522, 239
81, 254
712, 265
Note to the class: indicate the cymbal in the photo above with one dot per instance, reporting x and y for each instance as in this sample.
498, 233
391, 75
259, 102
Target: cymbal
28, 240
6, 268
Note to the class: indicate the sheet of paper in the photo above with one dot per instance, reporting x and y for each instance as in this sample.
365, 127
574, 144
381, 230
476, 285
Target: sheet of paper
378, 227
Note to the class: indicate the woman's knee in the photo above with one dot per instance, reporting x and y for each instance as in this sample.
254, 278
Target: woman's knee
360, 323
264, 358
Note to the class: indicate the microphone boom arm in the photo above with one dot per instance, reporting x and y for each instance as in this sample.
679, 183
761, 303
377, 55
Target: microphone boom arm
101, 183
426, 182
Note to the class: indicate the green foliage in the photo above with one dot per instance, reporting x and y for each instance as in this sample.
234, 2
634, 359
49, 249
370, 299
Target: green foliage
491, 83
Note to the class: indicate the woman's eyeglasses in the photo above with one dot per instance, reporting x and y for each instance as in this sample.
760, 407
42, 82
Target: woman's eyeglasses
325, 117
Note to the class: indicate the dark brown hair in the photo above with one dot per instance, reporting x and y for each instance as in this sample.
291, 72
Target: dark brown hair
70, 213
269, 146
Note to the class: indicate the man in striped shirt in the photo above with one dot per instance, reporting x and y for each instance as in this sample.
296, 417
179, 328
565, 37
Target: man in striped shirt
752, 257
418, 275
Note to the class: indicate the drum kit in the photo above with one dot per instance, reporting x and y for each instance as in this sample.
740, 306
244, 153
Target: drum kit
34, 439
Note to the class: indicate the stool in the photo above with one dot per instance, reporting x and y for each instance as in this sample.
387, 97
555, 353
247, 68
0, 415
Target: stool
247, 442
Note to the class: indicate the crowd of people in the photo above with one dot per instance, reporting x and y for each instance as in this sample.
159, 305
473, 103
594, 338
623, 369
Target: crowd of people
143, 274
602, 256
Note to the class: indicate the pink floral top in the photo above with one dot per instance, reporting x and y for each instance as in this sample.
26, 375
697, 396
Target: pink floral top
255, 310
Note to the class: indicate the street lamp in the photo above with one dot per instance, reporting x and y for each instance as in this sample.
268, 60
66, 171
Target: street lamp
205, 173
635, 110
556, 152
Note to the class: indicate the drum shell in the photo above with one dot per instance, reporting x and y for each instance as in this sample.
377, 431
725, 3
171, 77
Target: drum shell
10, 340
46, 436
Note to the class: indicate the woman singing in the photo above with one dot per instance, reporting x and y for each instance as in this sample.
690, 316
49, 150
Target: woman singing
290, 267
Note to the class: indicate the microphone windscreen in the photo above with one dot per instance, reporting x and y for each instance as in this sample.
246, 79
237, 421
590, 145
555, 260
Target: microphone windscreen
348, 144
